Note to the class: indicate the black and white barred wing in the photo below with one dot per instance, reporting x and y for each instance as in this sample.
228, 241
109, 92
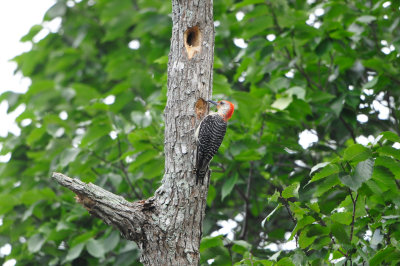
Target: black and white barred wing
210, 135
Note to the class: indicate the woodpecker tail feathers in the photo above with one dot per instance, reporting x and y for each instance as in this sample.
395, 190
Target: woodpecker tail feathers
200, 175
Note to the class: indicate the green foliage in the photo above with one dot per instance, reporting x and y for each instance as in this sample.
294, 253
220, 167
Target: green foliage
336, 199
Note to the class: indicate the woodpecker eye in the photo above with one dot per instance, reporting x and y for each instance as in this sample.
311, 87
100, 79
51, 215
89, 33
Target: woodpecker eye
221, 102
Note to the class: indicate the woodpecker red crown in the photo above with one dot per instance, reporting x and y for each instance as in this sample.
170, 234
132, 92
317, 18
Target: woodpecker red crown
225, 108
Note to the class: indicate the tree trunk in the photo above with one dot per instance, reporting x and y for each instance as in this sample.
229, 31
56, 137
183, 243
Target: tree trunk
189, 78
168, 226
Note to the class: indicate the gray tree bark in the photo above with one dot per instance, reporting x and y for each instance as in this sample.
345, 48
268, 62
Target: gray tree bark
168, 226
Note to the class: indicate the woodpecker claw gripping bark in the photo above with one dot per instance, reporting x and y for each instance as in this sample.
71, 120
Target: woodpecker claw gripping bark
209, 136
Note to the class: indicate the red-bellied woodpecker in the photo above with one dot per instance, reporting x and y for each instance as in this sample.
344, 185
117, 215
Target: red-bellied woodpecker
209, 136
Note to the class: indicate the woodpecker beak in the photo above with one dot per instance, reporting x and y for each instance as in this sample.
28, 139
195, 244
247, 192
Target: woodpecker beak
215, 103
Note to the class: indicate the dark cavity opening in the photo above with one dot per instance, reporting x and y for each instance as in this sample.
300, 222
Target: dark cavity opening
192, 39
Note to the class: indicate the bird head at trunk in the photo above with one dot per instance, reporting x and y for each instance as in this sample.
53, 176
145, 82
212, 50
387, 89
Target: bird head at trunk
225, 108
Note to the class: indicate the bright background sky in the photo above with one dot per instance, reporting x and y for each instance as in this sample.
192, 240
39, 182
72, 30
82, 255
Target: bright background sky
16, 18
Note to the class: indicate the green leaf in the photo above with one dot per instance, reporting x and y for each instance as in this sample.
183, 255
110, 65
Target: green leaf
356, 153
228, 186
246, 3
285, 262
94, 133
35, 243
282, 103
210, 242
111, 241
291, 191
328, 170
141, 119
68, 155
298, 211
11, 202
84, 94
57, 10
342, 217
363, 172
162, 60
371, 84
32, 33
82, 238
274, 197
270, 214
389, 151
318, 166
256, 26
241, 246
212, 193
380, 256
366, 19
304, 240
143, 158
248, 155
337, 106
262, 262
301, 223
153, 169
339, 232
384, 178
95, 248
319, 96
35, 135
221, 85
323, 47
389, 135
349, 181
389, 163
377, 237
74, 252
314, 206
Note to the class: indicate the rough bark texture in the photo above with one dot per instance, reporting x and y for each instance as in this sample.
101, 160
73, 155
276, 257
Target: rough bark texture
168, 226
181, 202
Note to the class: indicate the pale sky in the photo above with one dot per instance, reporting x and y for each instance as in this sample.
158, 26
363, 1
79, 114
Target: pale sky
16, 18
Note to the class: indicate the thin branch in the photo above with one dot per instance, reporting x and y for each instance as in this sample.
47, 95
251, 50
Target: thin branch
123, 169
286, 204
394, 79
242, 195
373, 27
334, 242
354, 200
243, 234
308, 78
321, 222
274, 17
319, 72
354, 213
262, 128
347, 126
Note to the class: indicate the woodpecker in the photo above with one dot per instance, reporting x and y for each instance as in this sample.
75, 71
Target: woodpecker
209, 135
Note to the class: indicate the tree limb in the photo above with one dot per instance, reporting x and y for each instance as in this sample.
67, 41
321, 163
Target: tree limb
130, 218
